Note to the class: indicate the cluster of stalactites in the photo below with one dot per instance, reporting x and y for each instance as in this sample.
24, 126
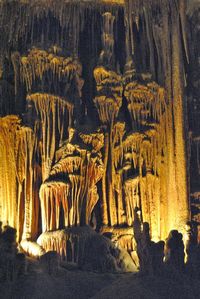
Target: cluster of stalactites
137, 167
51, 118
53, 197
109, 94
144, 152
132, 198
145, 101
76, 173
134, 173
55, 116
28, 21
155, 16
147, 106
139, 149
169, 21
106, 56
96, 140
131, 162
40, 63
20, 177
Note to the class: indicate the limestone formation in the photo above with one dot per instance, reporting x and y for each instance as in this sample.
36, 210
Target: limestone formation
99, 123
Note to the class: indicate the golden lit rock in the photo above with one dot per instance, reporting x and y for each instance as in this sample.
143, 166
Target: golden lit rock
93, 122
18, 191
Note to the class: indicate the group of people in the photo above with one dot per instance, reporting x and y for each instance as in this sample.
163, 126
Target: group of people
174, 255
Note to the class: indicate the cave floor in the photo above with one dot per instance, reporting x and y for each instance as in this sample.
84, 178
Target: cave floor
71, 283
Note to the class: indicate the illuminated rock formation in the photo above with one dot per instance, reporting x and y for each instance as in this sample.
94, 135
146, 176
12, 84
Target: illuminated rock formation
108, 102
169, 72
54, 115
20, 177
71, 186
194, 110
94, 118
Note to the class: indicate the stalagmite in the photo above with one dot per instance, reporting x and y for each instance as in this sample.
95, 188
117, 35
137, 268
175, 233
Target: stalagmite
32, 248
68, 243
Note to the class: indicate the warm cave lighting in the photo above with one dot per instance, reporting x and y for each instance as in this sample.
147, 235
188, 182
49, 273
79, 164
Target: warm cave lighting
99, 134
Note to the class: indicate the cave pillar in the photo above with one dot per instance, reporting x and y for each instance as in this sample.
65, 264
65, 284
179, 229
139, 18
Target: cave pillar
179, 112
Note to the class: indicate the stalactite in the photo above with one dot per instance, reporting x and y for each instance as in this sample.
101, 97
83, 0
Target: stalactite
55, 115
80, 168
145, 101
20, 177
108, 106
21, 18
131, 188
53, 196
150, 202
8, 184
95, 173
108, 102
40, 63
32, 178
6, 90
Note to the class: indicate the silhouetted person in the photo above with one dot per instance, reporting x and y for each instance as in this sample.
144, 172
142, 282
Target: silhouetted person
137, 230
137, 224
143, 240
146, 249
8, 252
190, 240
192, 249
175, 250
8, 238
157, 256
